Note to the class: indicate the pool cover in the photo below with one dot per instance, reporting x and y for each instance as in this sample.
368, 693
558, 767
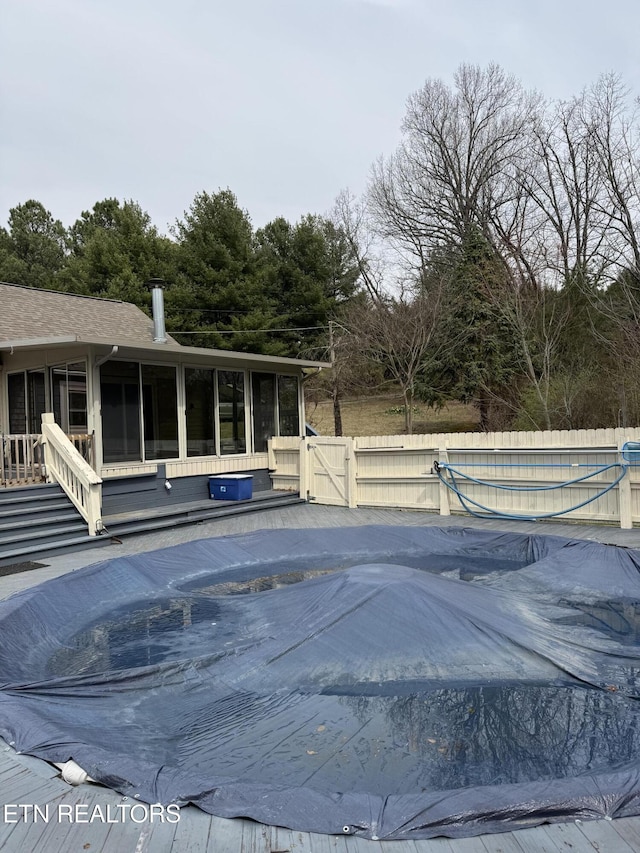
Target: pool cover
389, 682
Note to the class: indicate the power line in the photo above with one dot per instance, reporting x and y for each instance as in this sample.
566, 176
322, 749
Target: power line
216, 310
249, 331
179, 310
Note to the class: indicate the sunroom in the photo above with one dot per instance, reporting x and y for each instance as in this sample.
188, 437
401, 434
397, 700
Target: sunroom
132, 400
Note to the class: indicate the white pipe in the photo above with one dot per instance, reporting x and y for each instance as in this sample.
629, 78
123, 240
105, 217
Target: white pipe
157, 311
72, 773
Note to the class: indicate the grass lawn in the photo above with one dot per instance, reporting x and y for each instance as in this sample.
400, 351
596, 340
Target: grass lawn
383, 415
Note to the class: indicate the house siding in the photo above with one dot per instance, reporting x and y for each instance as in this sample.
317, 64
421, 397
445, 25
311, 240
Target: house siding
147, 491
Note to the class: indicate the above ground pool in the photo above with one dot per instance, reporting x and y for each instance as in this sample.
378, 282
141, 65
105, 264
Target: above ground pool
389, 682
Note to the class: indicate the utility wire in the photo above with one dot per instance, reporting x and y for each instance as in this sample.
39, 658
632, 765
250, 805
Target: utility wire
248, 331
224, 311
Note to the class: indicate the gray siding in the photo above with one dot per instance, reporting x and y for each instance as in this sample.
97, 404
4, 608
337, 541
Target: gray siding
146, 491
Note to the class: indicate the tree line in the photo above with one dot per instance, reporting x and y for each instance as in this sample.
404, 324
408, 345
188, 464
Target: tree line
512, 226
494, 259
228, 286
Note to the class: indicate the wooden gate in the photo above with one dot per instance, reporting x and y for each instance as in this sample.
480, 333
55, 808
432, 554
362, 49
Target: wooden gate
330, 471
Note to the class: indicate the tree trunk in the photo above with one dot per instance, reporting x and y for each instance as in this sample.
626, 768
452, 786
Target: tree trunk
337, 412
335, 385
483, 408
408, 412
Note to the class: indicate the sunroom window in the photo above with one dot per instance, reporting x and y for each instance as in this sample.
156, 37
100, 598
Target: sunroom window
200, 406
159, 411
69, 396
231, 412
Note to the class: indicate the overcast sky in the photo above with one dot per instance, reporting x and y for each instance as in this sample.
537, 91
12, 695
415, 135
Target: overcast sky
286, 102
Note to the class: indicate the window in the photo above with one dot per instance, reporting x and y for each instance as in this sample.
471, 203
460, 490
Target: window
69, 397
140, 409
28, 401
231, 412
288, 408
159, 411
17, 404
263, 387
123, 386
200, 402
275, 407
120, 394
37, 400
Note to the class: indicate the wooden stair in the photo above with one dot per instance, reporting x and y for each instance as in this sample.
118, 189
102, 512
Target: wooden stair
39, 521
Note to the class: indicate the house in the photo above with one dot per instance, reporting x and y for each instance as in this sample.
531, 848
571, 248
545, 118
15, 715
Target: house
139, 404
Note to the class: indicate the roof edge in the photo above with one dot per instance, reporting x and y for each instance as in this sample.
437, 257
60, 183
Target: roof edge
157, 349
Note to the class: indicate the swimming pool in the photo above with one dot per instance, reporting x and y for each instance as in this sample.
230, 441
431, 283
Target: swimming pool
390, 682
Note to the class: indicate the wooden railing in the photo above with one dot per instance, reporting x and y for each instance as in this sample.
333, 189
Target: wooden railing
66, 465
21, 460
22, 457
83, 443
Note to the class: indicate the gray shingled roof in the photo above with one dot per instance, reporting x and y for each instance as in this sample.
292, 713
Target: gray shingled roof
26, 312
36, 318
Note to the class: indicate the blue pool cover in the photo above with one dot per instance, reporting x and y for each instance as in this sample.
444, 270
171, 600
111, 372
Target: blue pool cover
389, 682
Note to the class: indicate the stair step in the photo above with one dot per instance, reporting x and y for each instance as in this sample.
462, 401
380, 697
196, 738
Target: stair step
190, 507
29, 539
20, 512
50, 535
165, 520
43, 549
19, 494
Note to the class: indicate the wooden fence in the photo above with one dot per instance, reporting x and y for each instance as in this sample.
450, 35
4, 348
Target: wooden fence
514, 474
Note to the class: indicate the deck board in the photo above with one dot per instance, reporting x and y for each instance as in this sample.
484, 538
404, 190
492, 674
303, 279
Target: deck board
57, 836
534, 840
26, 784
598, 834
506, 843
565, 836
197, 832
35, 765
628, 828
193, 831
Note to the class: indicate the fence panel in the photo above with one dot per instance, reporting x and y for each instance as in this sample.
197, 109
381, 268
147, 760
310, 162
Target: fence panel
574, 467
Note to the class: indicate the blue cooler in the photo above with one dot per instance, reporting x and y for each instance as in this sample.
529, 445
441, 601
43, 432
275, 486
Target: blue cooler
231, 487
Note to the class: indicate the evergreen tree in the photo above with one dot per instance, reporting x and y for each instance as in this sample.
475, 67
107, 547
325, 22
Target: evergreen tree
114, 251
308, 270
32, 251
481, 363
217, 290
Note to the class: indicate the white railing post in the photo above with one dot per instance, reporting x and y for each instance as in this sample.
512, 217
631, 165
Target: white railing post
624, 496
66, 466
303, 468
351, 473
445, 506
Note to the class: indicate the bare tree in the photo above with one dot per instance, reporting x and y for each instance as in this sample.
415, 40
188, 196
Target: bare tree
399, 335
555, 191
538, 321
458, 164
615, 135
354, 220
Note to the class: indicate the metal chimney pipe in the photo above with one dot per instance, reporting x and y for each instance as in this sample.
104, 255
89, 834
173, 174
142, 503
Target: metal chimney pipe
157, 309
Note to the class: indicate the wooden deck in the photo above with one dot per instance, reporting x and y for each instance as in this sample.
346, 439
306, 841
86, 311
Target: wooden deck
25, 780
